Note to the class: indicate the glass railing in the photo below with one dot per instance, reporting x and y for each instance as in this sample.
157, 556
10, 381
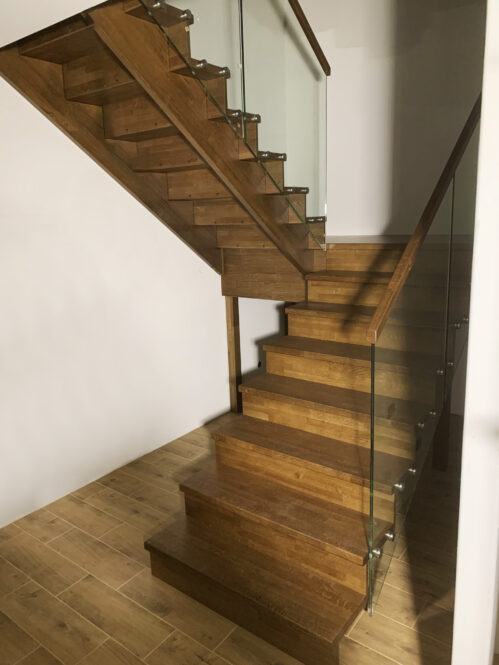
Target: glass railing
261, 75
413, 359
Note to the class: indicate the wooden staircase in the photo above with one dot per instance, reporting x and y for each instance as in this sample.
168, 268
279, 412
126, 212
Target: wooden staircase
276, 524
113, 83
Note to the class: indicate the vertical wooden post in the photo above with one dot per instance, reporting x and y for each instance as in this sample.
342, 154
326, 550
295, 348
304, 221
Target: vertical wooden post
234, 352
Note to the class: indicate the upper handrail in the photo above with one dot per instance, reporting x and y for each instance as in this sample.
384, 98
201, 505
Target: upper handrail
408, 257
310, 35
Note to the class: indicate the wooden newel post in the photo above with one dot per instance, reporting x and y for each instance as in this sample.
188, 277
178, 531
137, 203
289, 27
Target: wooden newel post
234, 352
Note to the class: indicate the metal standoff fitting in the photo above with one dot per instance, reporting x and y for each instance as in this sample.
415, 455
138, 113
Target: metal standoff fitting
466, 319
457, 325
433, 414
186, 15
450, 363
377, 552
253, 117
201, 64
420, 425
224, 71
440, 372
399, 486
235, 114
412, 470
389, 535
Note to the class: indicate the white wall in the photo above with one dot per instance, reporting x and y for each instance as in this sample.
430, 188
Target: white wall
477, 564
113, 337
404, 78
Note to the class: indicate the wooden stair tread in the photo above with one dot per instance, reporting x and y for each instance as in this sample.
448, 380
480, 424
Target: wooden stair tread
281, 591
326, 396
350, 353
63, 46
326, 525
368, 277
363, 314
337, 458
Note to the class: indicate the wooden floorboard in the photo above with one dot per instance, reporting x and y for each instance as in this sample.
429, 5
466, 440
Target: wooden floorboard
75, 585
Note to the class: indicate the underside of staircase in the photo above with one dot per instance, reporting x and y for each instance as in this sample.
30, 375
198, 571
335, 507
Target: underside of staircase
276, 525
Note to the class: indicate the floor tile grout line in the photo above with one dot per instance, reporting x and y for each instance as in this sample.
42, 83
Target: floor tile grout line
76, 526
234, 627
89, 572
139, 572
109, 489
160, 644
38, 645
157, 485
418, 632
141, 503
395, 662
25, 630
94, 649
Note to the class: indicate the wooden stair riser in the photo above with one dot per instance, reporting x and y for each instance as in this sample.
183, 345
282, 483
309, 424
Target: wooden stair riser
248, 144
261, 274
216, 99
180, 44
98, 78
292, 473
363, 257
347, 426
338, 328
136, 119
193, 185
327, 328
347, 293
391, 381
245, 613
221, 213
245, 237
231, 531
161, 155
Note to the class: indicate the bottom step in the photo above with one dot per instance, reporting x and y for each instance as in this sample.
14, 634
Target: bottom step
300, 613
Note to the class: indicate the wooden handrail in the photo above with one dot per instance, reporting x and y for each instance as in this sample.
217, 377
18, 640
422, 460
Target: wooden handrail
408, 257
309, 33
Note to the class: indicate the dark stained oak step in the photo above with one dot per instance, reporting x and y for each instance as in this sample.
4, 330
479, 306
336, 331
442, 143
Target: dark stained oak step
161, 155
98, 78
69, 41
193, 185
334, 412
321, 467
275, 605
201, 69
311, 520
225, 212
406, 330
136, 119
329, 457
240, 237
165, 14
399, 411
408, 376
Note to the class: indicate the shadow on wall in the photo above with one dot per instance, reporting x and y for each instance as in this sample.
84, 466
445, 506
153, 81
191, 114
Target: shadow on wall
438, 76
435, 85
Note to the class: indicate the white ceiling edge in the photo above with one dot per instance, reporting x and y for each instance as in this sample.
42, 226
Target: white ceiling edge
20, 19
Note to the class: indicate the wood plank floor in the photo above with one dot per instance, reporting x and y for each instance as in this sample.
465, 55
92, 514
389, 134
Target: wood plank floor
75, 586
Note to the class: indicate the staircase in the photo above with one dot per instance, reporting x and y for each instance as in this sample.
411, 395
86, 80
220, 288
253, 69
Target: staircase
111, 81
283, 520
